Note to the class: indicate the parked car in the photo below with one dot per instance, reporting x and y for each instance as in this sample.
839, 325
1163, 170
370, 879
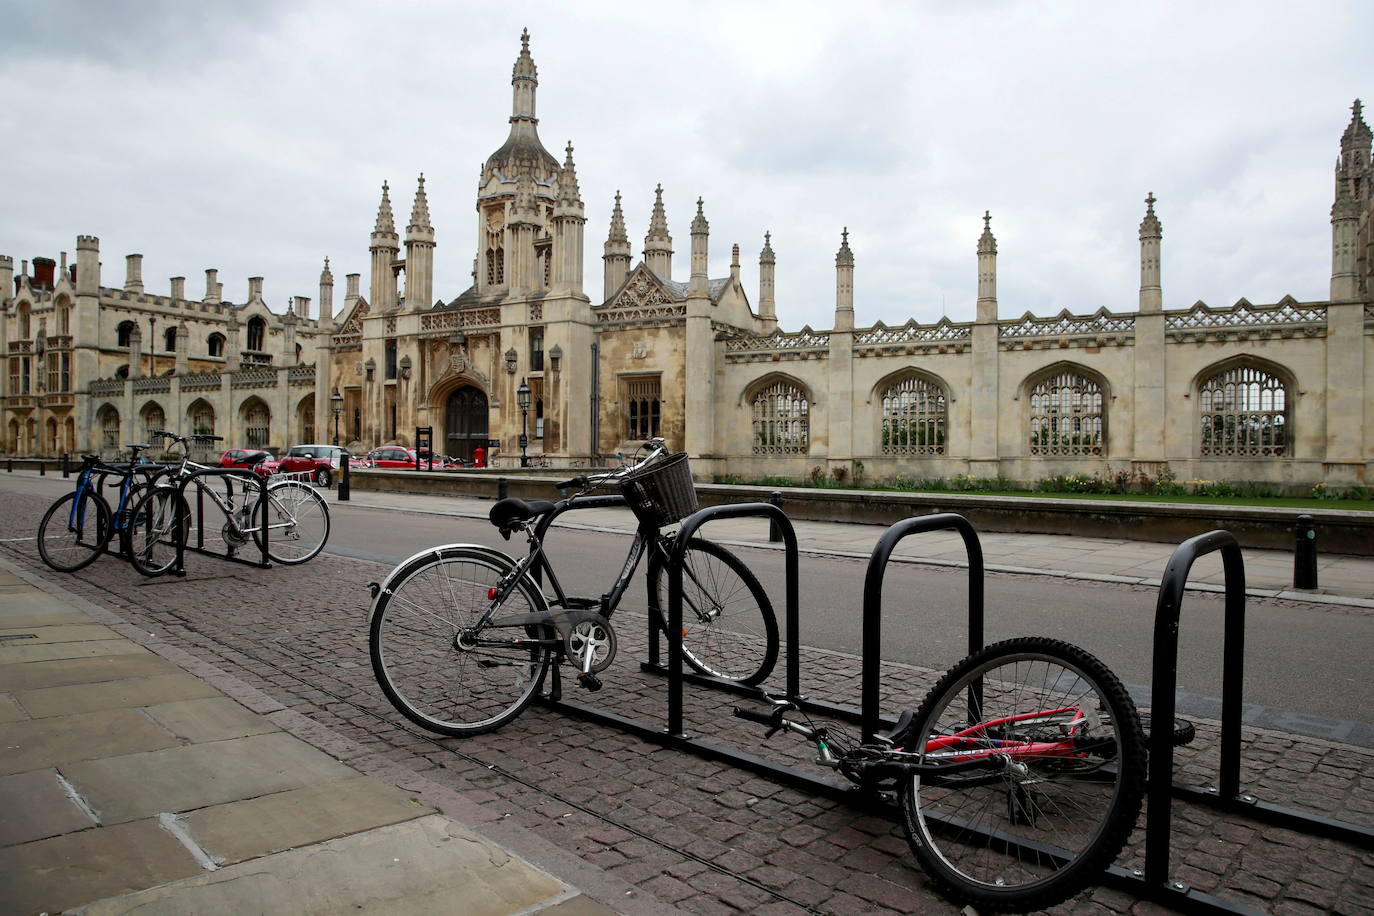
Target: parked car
254, 458
321, 461
391, 456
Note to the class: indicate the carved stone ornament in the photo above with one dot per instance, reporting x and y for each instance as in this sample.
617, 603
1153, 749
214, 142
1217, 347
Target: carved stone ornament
641, 349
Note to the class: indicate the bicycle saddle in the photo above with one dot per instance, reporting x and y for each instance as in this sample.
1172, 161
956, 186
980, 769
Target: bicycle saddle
510, 510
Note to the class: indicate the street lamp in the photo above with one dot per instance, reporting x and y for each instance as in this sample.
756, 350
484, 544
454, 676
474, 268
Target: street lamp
336, 405
522, 398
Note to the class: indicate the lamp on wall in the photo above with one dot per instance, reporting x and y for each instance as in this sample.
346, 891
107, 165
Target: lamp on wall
511, 356
336, 405
522, 398
405, 367
371, 367
555, 357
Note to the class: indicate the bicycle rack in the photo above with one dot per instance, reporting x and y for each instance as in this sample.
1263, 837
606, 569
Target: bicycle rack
259, 512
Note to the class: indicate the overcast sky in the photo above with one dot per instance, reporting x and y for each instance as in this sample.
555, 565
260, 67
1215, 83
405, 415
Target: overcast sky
253, 137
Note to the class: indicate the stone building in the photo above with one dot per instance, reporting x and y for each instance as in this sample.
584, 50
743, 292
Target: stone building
1280, 392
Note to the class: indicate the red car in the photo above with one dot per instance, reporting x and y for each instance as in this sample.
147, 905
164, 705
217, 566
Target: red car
391, 456
254, 458
322, 462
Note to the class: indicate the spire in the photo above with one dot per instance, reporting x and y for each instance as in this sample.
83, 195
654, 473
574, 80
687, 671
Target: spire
524, 80
325, 275
569, 193
1150, 227
699, 283
699, 224
618, 233
658, 222
419, 213
1356, 130
385, 221
766, 256
844, 257
767, 262
987, 242
1151, 293
658, 244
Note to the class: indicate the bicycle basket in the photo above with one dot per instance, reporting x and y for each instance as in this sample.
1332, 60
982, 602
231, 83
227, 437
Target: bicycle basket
662, 493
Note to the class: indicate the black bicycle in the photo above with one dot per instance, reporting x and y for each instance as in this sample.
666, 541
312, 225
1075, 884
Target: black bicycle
79, 526
462, 635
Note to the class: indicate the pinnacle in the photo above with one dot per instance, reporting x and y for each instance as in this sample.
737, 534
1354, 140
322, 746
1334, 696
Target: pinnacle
618, 233
385, 221
419, 213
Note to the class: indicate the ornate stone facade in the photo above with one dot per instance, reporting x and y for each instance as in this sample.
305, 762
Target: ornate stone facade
1280, 392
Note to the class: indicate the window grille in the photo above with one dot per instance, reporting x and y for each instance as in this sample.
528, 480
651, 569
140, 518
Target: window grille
1244, 414
257, 333
109, 430
781, 420
257, 422
153, 418
496, 266
203, 420
1066, 417
64, 378
14, 374
914, 418
643, 406
536, 349
55, 372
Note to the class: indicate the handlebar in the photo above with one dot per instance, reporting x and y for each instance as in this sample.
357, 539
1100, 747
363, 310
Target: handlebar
586, 482
771, 718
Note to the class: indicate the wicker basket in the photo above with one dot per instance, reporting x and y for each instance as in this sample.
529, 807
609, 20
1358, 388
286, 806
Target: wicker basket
662, 493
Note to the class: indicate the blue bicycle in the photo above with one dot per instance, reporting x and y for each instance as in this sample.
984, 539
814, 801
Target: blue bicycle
79, 526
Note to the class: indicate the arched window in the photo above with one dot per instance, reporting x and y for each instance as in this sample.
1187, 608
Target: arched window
496, 266
202, 417
169, 338
153, 419
643, 403
64, 318
109, 429
257, 333
125, 332
781, 420
915, 412
216, 344
1066, 416
24, 325
1244, 414
257, 423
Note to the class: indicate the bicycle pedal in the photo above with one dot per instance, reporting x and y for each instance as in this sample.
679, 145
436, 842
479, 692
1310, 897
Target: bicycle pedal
590, 681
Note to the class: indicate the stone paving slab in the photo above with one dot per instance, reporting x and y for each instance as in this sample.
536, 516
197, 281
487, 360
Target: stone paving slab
52, 875
122, 694
323, 811
213, 719
426, 866
9, 709
59, 672
36, 743
177, 779
36, 806
44, 635
11, 653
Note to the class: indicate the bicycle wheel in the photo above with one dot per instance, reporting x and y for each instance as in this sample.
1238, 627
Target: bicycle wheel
297, 522
71, 534
157, 525
728, 627
1064, 788
428, 662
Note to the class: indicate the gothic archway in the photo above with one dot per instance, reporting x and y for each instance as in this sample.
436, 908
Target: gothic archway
465, 421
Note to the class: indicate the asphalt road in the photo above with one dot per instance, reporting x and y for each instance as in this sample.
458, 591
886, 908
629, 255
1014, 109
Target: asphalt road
1307, 664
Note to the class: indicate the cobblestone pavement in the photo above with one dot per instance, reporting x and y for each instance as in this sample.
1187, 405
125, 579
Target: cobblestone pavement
701, 836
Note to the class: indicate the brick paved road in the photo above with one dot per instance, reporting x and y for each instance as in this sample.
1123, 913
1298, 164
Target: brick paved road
701, 836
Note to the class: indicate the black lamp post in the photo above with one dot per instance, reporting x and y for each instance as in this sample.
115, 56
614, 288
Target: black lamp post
336, 405
522, 398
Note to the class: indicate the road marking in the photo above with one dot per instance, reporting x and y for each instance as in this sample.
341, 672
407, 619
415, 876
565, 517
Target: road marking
8, 540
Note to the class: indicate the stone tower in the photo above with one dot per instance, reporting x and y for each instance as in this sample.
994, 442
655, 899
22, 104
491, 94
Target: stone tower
1354, 174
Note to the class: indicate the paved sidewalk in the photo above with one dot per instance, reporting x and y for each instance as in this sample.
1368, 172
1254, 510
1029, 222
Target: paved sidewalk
130, 782
1344, 580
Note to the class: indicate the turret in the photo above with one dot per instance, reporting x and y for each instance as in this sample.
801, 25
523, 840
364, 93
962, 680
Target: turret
569, 225
87, 266
658, 244
1151, 231
986, 309
1354, 174
326, 296
617, 253
6, 278
698, 283
844, 285
385, 246
767, 263
420, 253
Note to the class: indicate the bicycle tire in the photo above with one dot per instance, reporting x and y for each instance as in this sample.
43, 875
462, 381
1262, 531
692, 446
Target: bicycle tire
298, 520
413, 635
69, 545
964, 829
156, 529
716, 587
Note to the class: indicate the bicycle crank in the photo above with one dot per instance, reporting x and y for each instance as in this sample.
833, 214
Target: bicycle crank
590, 646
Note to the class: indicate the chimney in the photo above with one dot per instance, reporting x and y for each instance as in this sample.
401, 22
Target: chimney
212, 286
351, 290
254, 288
178, 287
303, 307
133, 281
43, 273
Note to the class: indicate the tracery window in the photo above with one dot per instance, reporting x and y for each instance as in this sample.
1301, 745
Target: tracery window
153, 419
24, 328
257, 422
109, 430
202, 417
781, 420
1066, 416
643, 407
914, 418
1244, 414
257, 333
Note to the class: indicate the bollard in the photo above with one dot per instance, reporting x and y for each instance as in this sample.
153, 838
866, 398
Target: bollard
1305, 554
344, 472
66, 468
42, 469
500, 488
9, 465
774, 532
